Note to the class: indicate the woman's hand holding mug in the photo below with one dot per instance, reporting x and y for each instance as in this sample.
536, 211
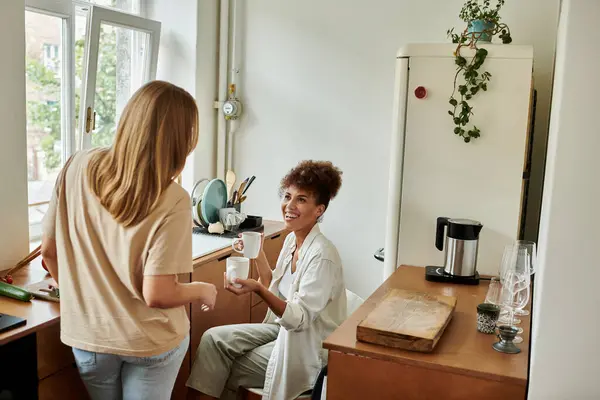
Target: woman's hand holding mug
249, 244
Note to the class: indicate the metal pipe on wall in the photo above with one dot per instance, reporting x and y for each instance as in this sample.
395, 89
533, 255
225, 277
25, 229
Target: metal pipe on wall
222, 87
234, 76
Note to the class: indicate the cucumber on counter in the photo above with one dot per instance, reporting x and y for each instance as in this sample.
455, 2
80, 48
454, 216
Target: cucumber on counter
14, 292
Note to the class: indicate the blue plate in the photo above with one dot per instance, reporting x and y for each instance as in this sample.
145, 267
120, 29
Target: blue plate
215, 198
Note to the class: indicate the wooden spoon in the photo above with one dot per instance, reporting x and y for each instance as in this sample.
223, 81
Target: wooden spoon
230, 181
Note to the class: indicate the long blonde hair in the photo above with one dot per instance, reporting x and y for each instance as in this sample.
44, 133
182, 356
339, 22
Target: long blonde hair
157, 131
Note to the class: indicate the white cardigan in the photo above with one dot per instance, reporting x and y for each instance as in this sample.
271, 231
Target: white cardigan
316, 306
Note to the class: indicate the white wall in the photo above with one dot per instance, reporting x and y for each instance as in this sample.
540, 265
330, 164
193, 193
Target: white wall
317, 82
14, 235
566, 355
187, 58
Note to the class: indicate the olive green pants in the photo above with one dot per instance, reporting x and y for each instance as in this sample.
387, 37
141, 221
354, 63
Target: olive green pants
231, 356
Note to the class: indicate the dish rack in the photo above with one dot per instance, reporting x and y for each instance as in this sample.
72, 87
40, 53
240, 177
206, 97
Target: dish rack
252, 223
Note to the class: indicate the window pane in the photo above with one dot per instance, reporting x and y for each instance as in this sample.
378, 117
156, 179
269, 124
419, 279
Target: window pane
80, 27
45, 133
121, 56
130, 6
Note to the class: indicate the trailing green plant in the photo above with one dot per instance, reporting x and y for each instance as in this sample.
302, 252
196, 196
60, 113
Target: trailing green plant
474, 80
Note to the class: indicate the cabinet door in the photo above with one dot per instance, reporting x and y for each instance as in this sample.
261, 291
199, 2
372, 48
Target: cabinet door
63, 385
52, 354
179, 389
272, 248
258, 312
229, 309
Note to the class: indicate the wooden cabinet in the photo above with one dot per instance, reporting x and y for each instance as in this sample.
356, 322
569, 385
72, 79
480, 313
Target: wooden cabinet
272, 247
63, 385
258, 312
52, 354
57, 374
179, 389
230, 309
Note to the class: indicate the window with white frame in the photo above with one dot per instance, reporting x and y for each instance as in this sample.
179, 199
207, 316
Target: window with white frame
84, 59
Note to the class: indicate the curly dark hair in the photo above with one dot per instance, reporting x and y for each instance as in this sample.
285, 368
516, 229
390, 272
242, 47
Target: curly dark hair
320, 178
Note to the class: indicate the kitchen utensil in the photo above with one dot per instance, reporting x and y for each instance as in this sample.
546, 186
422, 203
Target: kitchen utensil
214, 198
461, 244
242, 199
506, 334
241, 188
252, 178
47, 294
237, 267
25, 261
196, 197
249, 244
487, 317
197, 215
234, 198
198, 190
407, 320
230, 181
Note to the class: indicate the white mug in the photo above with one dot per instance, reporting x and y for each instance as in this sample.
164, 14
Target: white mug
251, 242
237, 267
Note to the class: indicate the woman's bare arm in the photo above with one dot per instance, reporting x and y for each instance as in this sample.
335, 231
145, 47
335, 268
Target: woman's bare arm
49, 256
164, 291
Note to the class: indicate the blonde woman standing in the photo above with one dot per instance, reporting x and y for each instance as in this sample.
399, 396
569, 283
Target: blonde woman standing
115, 237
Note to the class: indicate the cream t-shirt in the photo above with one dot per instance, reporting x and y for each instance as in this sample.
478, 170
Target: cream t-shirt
101, 266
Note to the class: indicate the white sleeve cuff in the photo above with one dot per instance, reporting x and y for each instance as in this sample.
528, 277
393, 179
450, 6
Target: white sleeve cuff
291, 319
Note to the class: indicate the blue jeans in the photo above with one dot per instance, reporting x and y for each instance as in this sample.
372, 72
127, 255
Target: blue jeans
113, 377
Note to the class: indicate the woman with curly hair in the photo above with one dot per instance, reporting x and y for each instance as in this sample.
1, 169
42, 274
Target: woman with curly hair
306, 298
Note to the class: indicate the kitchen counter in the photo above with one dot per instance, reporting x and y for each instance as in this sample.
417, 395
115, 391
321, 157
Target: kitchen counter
53, 359
463, 364
41, 313
207, 247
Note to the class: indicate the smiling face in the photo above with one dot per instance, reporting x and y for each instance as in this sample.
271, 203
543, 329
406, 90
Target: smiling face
299, 209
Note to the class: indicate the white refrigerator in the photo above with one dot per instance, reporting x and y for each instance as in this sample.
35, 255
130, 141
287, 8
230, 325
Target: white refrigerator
434, 173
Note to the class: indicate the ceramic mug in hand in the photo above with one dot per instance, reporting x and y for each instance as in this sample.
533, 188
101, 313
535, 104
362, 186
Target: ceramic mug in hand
249, 244
237, 267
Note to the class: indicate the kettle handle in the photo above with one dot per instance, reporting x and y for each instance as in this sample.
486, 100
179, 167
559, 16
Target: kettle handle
439, 232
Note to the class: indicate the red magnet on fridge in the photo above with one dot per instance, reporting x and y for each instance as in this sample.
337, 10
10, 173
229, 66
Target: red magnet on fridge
420, 92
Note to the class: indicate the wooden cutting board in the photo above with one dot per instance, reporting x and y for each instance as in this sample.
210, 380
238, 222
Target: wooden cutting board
407, 319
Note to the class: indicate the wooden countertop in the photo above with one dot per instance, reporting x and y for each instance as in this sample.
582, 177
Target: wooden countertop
461, 349
271, 229
41, 313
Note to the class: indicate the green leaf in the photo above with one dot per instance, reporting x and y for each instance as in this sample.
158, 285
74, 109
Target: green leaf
457, 130
453, 102
460, 61
451, 113
467, 139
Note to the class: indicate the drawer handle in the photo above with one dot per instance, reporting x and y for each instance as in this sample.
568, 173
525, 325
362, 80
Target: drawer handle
276, 236
225, 257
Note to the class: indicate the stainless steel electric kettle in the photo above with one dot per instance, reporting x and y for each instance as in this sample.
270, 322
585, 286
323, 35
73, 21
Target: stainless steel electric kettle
461, 244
